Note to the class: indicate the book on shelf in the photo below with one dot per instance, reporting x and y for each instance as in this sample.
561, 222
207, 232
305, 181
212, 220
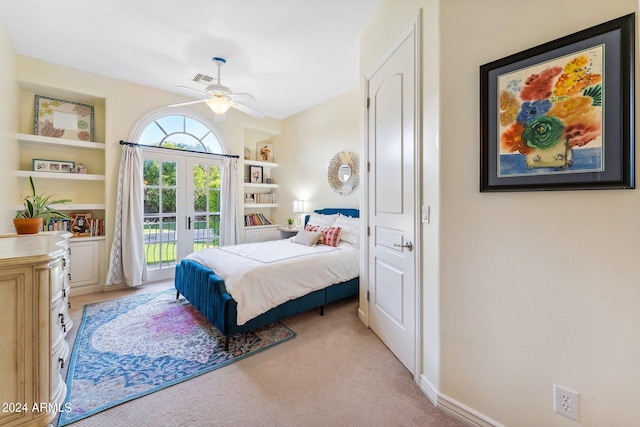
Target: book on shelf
80, 224
260, 198
255, 219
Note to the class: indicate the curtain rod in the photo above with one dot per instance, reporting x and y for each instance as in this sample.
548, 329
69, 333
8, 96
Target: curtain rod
134, 144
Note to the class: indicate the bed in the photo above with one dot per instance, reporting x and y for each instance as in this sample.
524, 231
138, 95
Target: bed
200, 276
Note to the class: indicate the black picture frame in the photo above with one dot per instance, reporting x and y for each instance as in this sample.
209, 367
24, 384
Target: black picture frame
255, 174
544, 145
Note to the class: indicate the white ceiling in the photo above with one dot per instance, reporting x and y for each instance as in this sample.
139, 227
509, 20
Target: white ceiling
289, 54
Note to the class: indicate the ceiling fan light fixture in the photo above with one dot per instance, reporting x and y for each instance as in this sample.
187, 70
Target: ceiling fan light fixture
219, 104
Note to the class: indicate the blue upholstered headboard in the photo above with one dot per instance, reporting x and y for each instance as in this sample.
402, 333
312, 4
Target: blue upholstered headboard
352, 212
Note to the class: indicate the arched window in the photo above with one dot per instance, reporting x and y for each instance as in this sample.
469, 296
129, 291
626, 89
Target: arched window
182, 132
181, 186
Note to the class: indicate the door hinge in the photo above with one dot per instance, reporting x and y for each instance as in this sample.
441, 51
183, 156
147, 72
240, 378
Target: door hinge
368, 102
368, 166
368, 231
367, 295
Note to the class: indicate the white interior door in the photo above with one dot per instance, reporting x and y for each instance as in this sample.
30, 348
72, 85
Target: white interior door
391, 202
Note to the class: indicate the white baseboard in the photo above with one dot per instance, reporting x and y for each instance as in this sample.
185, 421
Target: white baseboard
454, 408
363, 317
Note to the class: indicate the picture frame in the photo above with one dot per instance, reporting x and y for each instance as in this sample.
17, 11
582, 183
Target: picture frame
255, 174
560, 116
59, 118
264, 151
55, 166
81, 224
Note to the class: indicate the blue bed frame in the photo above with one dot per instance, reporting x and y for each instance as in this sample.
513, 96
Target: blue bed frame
206, 291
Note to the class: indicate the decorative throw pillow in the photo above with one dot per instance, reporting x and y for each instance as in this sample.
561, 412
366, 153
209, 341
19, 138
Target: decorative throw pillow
321, 220
310, 227
350, 229
331, 236
307, 238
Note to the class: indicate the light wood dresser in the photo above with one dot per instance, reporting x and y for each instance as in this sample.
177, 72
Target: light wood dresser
35, 320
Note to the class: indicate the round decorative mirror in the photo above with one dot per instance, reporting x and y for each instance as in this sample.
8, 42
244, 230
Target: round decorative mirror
343, 173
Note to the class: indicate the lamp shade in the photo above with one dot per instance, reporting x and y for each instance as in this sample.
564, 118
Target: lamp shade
298, 206
219, 104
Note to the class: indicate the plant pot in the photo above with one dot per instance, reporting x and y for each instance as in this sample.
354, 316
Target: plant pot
28, 225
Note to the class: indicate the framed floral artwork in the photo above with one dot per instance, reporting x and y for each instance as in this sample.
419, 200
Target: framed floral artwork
560, 116
264, 151
256, 174
58, 118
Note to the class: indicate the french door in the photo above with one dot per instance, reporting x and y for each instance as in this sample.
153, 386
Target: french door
181, 208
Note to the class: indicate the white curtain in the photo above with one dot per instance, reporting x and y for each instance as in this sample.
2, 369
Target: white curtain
229, 232
127, 264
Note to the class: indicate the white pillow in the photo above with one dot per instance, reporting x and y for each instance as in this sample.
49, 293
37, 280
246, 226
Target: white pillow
321, 220
307, 238
350, 229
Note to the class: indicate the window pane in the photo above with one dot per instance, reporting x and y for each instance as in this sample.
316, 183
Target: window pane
151, 200
151, 172
214, 201
169, 171
169, 229
171, 124
196, 128
152, 135
200, 200
169, 200
212, 143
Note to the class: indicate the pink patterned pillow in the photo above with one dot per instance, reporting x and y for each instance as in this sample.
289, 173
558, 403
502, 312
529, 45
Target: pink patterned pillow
310, 227
331, 236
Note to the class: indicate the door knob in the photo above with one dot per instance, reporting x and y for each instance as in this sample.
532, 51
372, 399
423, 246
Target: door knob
407, 245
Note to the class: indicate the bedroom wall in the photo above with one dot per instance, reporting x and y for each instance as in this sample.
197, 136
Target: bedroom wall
534, 288
308, 142
9, 196
124, 103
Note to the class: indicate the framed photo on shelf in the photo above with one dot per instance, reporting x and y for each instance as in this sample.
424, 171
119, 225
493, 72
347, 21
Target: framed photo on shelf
60, 166
58, 118
559, 116
264, 151
256, 174
81, 224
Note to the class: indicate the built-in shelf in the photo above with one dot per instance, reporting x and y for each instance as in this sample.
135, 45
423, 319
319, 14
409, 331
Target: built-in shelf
74, 207
47, 140
56, 175
255, 227
258, 185
260, 163
260, 205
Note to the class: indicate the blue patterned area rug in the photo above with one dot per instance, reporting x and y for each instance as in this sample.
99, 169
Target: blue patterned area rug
131, 347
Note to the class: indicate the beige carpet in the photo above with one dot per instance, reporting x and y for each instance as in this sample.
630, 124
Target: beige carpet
336, 372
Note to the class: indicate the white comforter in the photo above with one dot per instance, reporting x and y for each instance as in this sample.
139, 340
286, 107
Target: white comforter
260, 276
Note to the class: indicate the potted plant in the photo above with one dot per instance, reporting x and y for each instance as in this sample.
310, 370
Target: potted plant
290, 222
38, 209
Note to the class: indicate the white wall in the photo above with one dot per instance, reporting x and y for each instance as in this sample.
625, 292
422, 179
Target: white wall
308, 142
534, 288
8, 125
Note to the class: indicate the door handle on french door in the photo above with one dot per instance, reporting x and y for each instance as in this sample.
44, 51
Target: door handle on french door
407, 245
188, 223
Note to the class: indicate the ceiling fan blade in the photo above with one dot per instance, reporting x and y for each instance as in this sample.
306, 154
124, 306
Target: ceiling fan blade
242, 97
187, 103
246, 109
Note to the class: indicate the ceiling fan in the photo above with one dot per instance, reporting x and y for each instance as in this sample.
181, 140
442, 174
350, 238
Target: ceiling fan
221, 98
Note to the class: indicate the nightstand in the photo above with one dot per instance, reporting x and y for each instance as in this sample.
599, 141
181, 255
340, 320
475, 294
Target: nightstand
286, 232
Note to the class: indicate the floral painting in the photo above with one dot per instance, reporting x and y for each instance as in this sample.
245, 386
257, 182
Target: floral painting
560, 115
551, 117
57, 118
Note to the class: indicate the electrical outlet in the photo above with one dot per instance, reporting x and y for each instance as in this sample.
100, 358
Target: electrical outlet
566, 402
